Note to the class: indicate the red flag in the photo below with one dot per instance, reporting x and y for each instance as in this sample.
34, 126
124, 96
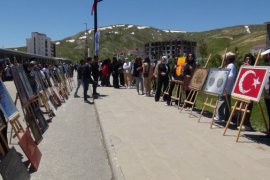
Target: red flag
93, 6
250, 83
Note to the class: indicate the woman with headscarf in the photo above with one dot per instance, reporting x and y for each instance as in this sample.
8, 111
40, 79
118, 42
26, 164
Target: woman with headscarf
189, 69
163, 71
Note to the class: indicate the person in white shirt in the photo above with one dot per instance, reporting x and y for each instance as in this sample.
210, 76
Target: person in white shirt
224, 102
127, 73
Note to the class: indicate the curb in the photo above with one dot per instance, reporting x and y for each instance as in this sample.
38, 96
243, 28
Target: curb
116, 170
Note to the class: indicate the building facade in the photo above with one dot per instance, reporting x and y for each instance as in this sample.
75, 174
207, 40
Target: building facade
171, 49
40, 44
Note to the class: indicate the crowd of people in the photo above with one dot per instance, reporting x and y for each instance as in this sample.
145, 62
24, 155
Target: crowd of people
151, 78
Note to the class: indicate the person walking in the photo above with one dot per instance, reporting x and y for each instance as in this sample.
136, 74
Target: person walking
79, 77
86, 79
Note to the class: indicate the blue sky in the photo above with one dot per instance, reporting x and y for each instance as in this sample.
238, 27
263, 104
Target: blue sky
62, 18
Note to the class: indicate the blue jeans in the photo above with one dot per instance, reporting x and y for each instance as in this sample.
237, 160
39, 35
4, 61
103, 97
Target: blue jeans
79, 82
85, 88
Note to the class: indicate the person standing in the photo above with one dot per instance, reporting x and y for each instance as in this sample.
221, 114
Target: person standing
147, 75
127, 73
95, 73
266, 56
115, 73
86, 79
163, 71
224, 103
137, 73
189, 69
79, 77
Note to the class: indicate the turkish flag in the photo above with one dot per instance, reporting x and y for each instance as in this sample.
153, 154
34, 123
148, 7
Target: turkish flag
250, 82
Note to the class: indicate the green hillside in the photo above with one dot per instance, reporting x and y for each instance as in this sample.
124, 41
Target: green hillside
122, 37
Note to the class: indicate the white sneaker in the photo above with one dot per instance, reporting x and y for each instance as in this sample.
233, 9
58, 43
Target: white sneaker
244, 128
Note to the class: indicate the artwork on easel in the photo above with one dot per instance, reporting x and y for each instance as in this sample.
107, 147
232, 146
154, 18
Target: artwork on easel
26, 83
216, 81
22, 84
19, 85
198, 79
30, 149
6, 103
12, 167
250, 82
43, 124
35, 129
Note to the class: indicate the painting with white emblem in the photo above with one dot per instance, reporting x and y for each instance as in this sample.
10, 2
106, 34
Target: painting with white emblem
250, 82
216, 81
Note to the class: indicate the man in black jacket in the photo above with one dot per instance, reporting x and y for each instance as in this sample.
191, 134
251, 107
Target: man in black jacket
79, 77
86, 79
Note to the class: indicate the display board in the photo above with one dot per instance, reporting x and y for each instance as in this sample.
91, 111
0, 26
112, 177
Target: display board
250, 82
30, 149
216, 81
198, 78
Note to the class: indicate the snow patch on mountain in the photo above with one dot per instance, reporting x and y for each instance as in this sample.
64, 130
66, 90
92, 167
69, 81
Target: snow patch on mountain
57, 43
247, 29
105, 28
83, 37
143, 27
132, 33
71, 40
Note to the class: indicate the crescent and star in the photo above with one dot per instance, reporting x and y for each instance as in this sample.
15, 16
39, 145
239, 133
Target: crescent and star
255, 81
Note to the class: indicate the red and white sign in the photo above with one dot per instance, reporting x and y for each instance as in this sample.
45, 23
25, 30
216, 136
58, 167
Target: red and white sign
250, 82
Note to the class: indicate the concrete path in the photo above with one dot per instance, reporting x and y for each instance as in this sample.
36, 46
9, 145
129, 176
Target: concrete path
149, 141
72, 148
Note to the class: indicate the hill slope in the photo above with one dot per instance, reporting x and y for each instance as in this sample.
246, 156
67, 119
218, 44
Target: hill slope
123, 37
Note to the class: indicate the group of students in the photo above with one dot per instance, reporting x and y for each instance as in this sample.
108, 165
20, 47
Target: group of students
153, 77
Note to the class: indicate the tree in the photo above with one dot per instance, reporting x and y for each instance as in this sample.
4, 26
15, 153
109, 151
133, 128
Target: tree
203, 48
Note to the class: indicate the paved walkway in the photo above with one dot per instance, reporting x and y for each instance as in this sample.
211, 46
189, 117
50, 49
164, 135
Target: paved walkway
72, 148
149, 141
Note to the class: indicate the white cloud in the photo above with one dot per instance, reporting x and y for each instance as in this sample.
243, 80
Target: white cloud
57, 43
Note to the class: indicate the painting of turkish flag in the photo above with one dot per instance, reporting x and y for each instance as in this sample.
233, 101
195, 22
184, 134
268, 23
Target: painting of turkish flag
250, 82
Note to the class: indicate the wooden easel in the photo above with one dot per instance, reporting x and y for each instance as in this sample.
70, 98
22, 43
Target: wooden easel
177, 92
210, 103
16, 127
193, 94
242, 106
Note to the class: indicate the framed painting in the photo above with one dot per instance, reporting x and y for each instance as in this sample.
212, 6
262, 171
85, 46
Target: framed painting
198, 78
216, 81
25, 81
250, 82
30, 149
19, 85
6, 103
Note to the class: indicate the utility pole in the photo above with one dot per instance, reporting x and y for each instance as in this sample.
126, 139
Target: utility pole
95, 26
86, 43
